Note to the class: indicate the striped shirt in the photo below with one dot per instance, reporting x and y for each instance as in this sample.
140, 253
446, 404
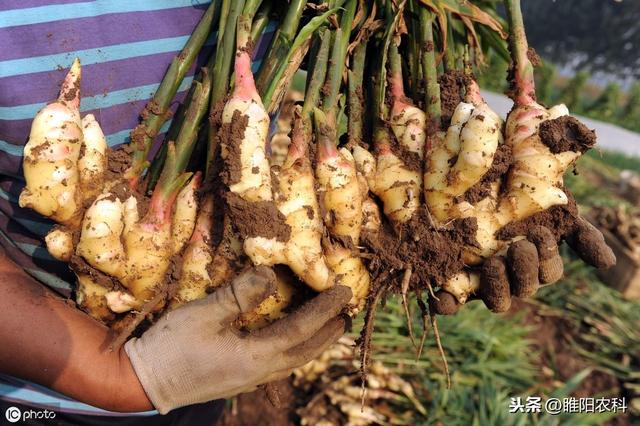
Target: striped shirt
124, 46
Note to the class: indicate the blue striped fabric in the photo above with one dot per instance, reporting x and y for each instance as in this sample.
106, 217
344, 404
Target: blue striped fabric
125, 47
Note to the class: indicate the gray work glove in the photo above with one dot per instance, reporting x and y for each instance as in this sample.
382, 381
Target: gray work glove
194, 354
529, 263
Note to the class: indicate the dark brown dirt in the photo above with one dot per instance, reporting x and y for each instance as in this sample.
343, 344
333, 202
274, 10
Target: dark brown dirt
80, 266
257, 219
231, 136
561, 220
138, 135
452, 83
255, 409
118, 161
502, 159
71, 94
434, 254
35, 152
566, 133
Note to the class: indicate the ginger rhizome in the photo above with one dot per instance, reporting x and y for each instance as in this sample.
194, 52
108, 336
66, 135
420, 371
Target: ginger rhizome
58, 180
297, 241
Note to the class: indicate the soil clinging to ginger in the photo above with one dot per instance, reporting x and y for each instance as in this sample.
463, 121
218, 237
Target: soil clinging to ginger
257, 219
233, 134
434, 255
566, 133
560, 220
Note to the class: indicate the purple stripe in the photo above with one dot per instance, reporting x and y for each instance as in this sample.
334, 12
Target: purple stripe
112, 120
97, 79
105, 30
14, 229
24, 4
16, 234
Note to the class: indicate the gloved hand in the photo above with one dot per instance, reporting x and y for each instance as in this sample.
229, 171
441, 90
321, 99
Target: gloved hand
529, 263
194, 354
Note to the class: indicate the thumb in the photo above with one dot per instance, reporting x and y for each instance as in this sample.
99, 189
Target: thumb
245, 292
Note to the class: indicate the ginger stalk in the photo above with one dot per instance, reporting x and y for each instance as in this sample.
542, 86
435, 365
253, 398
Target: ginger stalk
138, 251
158, 108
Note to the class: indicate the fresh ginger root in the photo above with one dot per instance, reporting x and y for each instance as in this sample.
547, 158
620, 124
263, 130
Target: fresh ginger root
93, 162
342, 198
293, 194
195, 275
471, 140
544, 143
64, 164
58, 180
137, 252
389, 175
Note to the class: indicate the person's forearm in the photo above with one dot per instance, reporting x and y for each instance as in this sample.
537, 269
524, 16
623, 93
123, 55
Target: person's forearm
45, 339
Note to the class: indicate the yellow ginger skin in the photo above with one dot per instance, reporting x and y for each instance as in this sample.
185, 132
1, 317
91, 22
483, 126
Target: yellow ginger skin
51, 156
184, 214
195, 278
91, 297
533, 184
60, 244
408, 122
387, 176
296, 200
93, 163
398, 186
137, 252
472, 139
339, 191
294, 194
341, 197
246, 102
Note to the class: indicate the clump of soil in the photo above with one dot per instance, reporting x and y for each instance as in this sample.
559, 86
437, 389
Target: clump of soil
452, 83
257, 219
118, 161
502, 160
560, 220
232, 134
434, 254
566, 133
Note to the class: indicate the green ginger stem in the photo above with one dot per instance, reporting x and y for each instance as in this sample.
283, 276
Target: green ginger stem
142, 137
